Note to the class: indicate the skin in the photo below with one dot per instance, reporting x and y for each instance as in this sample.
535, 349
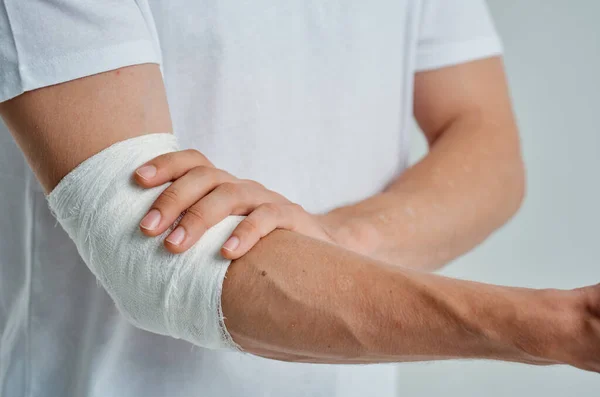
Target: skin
208, 195
468, 185
296, 298
471, 182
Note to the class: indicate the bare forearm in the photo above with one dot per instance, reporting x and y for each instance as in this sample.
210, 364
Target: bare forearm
465, 188
469, 184
294, 298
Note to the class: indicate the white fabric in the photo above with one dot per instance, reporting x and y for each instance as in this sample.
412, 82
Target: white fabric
100, 207
310, 98
446, 33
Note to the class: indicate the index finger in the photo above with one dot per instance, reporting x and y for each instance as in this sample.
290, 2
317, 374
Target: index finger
169, 166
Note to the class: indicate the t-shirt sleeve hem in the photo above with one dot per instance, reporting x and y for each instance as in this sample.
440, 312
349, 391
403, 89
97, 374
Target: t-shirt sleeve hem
47, 72
448, 54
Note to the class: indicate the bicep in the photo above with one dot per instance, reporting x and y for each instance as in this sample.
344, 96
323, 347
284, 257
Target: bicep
59, 126
475, 89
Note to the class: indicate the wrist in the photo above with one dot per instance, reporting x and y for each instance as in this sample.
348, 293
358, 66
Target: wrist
570, 327
533, 326
351, 231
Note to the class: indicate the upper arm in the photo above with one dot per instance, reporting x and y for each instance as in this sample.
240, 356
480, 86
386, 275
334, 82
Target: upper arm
86, 77
477, 90
58, 127
458, 67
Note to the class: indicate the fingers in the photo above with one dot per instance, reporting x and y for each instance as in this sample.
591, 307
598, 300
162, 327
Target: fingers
179, 196
260, 222
205, 196
169, 166
229, 198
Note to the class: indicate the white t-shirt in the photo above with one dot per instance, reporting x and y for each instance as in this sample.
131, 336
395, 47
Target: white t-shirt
310, 98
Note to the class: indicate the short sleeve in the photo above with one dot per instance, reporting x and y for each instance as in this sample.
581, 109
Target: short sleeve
46, 42
453, 32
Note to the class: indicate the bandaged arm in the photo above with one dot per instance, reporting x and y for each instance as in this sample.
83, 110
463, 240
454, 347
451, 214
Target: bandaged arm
289, 298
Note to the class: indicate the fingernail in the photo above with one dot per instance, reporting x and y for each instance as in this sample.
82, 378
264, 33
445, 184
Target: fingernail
232, 243
147, 171
177, 236
151, 220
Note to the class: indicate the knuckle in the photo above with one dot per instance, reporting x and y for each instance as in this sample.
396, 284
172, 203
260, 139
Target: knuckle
168, 197
196, 155
253, 183
193, 152
226, 176
297, 207
166, 159
195, 218
280, 199
271, 209
209, 175
200, 171
230, 188
220, 176
249, 226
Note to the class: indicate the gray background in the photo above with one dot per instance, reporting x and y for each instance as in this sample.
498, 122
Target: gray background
552, 56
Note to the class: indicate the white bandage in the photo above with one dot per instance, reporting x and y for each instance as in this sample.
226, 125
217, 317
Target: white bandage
100, 206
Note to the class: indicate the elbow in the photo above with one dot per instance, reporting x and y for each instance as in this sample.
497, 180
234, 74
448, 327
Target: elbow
520, 190
514, 186
168, 294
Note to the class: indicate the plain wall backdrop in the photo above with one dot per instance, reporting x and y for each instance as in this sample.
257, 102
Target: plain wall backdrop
552, 57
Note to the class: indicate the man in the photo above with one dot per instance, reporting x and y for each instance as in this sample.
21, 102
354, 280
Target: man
311, 101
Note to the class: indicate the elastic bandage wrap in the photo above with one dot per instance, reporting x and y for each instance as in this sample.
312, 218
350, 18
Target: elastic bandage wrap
100, 206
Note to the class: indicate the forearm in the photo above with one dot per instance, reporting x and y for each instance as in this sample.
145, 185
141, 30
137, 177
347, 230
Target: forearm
291, 297
294, 298
469, 184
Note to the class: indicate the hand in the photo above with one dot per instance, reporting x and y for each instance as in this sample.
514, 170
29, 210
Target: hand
561, 327
204, 195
